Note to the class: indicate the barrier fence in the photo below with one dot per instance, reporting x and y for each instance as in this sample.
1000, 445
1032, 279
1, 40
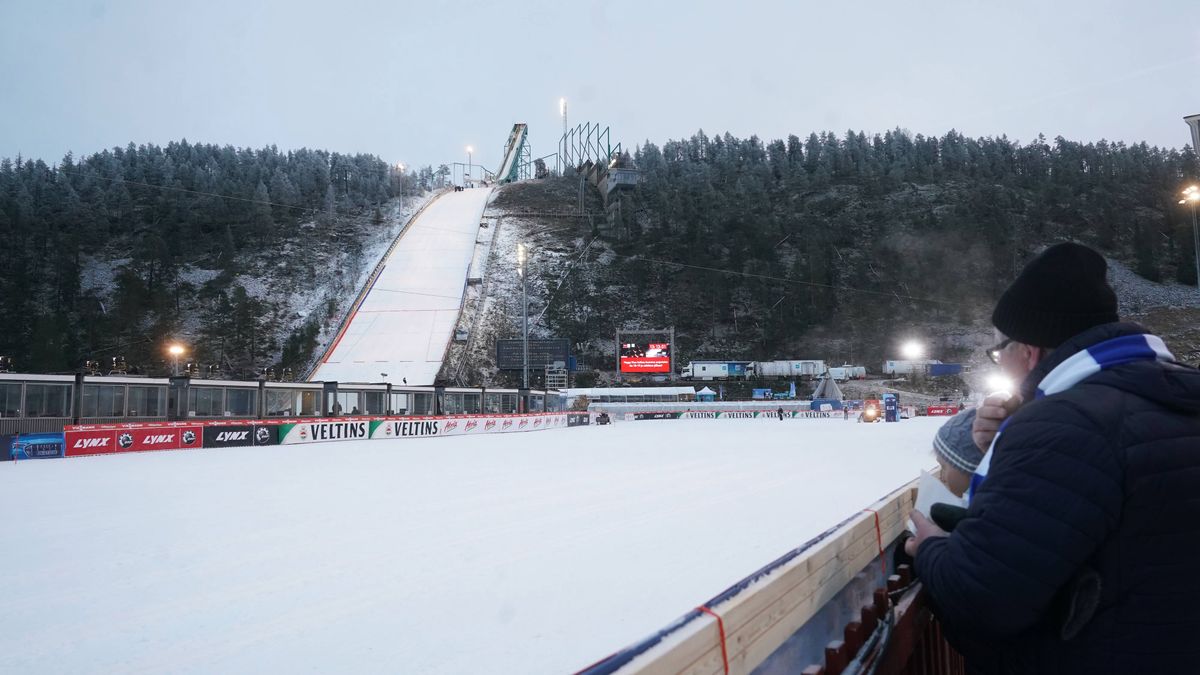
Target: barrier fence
104, 439
838, 604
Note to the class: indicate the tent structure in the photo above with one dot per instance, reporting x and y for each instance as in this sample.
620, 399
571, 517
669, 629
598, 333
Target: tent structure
827, 396
706, 394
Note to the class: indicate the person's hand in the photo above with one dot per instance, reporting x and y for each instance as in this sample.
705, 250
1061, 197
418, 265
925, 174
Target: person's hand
925, 529
991, 414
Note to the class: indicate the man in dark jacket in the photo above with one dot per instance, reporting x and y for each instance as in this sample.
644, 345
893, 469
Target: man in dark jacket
1079, 550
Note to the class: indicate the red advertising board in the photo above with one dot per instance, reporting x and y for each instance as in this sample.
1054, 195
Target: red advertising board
940, 410
654, 357
90, 442
158, 438
133, 439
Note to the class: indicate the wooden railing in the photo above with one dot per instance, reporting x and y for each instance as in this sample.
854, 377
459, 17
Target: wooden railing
831, 607
917, 646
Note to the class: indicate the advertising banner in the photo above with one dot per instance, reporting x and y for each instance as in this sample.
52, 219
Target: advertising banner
266, 434
939, 410
157, 438
443, 426
90, 442
315, 432
105, 439
32, 446
653, 357
578, 419
658, 415
407, 428
891, 408
232, 436
767, 415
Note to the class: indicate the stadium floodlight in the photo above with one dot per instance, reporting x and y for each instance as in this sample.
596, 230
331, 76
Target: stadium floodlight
912, 350
175, 350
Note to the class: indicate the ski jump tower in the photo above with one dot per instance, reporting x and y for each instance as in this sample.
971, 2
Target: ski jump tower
517, 162
588, 151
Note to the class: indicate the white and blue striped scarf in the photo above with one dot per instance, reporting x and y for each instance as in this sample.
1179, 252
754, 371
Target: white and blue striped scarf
1079, 367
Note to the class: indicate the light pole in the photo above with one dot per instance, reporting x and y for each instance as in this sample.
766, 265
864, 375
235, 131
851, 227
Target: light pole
522, 259
470, 170
1190, 196
175, 350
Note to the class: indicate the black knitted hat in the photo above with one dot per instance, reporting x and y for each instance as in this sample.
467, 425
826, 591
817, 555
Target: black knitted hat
1061, 293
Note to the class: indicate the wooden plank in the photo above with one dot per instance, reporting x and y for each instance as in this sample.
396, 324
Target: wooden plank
757, 650
796, 591
759, 619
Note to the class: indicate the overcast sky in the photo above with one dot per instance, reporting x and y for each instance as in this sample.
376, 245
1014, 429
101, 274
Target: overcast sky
419, 81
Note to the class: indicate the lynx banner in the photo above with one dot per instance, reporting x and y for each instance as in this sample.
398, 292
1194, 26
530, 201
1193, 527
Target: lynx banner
239, 435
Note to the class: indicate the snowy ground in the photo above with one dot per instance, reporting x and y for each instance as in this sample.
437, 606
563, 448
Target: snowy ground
520, 553
496, 313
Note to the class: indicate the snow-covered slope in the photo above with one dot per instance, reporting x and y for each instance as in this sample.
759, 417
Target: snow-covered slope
401, 330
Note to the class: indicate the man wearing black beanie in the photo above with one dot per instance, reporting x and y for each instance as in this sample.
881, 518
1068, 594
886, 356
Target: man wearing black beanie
1077, 553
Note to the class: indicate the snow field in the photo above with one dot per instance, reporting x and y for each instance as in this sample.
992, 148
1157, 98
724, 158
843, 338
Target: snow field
534, 552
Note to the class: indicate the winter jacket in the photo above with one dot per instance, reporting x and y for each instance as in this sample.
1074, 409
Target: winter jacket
1100, 480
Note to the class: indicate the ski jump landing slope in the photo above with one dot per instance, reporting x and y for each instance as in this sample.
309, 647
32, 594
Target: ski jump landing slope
404, 323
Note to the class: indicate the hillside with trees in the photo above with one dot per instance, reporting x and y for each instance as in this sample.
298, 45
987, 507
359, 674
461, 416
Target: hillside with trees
836, 247
127, 249
827, 247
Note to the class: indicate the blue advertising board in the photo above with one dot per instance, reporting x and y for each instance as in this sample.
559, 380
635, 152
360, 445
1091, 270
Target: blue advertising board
891, 408
35, 446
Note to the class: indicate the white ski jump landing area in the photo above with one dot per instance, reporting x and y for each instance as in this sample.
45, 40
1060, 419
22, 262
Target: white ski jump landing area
520, 553
406, 320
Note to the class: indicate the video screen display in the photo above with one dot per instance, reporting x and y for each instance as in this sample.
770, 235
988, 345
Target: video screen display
653, 357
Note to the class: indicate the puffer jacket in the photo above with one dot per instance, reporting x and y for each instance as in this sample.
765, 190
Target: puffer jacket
1102, 479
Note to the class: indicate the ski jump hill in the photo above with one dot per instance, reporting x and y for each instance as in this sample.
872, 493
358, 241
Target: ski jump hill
401, 327
401, 324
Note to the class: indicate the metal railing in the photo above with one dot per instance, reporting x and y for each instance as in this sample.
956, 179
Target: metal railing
32, 425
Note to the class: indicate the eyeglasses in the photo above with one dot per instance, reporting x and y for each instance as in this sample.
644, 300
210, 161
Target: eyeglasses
994, 352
